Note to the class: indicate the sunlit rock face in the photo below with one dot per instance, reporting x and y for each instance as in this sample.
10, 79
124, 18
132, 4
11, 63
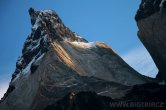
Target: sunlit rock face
56, 61
151, 21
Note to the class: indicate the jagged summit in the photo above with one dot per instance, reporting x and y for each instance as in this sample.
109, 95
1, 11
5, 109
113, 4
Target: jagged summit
49, 23
47, 27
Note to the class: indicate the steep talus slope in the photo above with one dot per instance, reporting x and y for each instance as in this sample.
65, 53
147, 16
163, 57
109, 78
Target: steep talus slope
151, 21
56, 61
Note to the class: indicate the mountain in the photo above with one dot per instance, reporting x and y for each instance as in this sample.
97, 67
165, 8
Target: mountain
151, 21
56, 61
59, 70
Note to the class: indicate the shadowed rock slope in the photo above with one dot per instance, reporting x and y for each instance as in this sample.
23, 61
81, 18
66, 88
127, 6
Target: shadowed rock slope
141, 97
56, 61
151, 21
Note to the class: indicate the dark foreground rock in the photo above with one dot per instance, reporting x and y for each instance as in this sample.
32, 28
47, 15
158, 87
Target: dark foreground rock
151, 21
141, 97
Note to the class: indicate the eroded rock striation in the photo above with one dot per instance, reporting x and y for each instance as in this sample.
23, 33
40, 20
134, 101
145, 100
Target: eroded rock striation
151, 21
56, 61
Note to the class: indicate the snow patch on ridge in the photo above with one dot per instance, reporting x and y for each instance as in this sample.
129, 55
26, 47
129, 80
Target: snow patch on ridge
17, 76
36, 25
38, 59
48, 11
34, 60
76, 35
27, 69
86, 45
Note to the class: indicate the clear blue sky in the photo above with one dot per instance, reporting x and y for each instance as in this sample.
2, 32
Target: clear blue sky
110, 21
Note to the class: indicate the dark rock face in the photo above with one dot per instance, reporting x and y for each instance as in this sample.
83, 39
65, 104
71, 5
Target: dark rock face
81, 101
147, 8
144, 97
9, 90
148, 96
33, 68
152, 92
152, 32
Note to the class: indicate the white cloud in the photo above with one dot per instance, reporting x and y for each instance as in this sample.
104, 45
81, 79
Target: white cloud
141, 61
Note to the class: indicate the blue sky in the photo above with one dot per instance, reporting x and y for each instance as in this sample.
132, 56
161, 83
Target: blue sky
110, 21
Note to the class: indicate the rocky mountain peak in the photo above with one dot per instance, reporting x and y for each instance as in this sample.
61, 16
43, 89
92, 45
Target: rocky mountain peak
60, 70
35, 15
48, 22
47, 27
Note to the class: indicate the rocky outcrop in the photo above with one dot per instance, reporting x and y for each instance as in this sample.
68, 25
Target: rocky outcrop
81, 101
56, 61
141, 97
151, 21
